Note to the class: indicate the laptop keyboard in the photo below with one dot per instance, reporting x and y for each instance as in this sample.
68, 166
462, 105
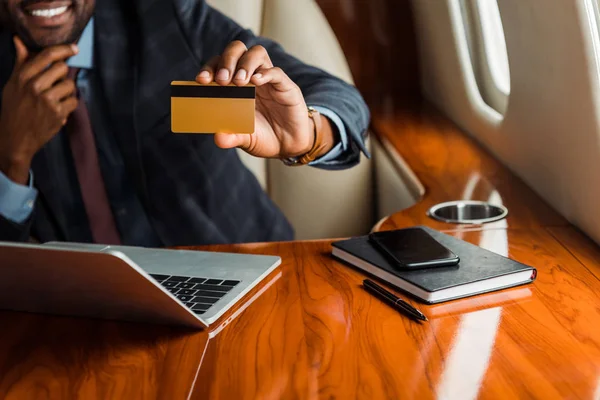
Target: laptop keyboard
199, 294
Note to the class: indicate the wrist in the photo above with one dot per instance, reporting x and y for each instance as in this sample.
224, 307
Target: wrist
16, 169
14, 165
326, 136
329, 137
322, 140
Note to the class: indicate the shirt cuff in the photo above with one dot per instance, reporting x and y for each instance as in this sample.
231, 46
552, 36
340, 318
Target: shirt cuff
16, 201
339, 148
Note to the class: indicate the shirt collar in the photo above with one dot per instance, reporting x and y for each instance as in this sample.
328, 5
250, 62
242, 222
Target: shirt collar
85, 58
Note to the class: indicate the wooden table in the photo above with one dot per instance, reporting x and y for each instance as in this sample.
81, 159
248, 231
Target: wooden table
314, 333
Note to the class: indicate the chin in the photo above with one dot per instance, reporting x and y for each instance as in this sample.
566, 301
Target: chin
49, 23
53, 40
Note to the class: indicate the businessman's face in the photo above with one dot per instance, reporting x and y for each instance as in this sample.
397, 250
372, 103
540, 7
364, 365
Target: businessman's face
43, 23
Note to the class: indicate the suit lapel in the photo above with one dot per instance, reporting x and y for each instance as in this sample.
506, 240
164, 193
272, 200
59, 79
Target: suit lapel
53, 168
139, 49
164, 56
116, 62
47, 188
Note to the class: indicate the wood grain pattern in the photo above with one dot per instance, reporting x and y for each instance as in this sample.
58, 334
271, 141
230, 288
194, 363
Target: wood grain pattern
535, 341
316, 334
44, 357
262, 354
452, 166
582, 247
379, 42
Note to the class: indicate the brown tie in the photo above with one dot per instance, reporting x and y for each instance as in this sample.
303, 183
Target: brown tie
91, 184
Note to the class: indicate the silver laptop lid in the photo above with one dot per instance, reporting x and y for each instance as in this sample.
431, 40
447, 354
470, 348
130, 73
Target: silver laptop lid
105, 282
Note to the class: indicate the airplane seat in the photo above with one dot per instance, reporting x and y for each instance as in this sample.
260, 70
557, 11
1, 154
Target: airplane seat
318, 203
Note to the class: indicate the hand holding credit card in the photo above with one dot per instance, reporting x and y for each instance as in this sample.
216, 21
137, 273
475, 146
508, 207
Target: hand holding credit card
212, 108
250, 104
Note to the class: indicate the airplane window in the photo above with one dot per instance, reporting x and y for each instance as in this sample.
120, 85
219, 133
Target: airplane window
594, 26
487, 48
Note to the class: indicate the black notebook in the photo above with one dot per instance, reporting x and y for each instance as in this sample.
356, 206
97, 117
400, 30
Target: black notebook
479, 270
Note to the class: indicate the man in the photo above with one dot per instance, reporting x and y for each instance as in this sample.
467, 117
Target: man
86, 152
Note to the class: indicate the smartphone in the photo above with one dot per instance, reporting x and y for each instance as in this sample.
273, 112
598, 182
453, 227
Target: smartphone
413, 248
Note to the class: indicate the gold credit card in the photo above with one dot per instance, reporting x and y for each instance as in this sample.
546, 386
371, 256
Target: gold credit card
212, 108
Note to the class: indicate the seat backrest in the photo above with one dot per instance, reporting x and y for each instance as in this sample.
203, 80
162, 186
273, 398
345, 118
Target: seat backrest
318, 203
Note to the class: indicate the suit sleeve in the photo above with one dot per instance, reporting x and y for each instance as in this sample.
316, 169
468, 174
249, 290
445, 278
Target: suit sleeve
14, 232
209, 32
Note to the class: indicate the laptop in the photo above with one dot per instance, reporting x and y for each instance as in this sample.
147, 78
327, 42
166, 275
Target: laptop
174, 287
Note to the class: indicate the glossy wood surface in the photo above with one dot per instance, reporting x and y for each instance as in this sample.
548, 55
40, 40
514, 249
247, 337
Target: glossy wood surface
316, 334
582, 247
379, 42
452, 166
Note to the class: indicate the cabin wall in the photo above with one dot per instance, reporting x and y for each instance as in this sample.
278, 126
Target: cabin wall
549, 133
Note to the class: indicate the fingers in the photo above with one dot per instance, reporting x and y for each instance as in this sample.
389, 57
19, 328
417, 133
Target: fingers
48, 78
229, 60
62, 90
237, 64
47, 57
207, 73
276, 77
254, 59
60, 110
59, 103
230, 141
64, 108
68, 106
22, 52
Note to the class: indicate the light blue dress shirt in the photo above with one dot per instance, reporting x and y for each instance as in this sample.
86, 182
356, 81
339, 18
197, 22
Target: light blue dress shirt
17, 201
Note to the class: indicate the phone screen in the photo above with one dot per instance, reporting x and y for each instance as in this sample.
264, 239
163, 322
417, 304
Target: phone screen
413, 248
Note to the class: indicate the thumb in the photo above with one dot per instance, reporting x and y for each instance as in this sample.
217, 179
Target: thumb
229, 141
22, 52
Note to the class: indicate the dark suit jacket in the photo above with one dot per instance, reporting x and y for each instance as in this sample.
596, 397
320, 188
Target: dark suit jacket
193, 192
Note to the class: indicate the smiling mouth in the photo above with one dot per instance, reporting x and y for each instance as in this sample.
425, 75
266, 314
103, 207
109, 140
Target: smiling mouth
47, 12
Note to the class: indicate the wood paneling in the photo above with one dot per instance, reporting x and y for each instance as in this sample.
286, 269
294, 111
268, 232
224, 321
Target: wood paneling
452, 166
378, 39
316, 334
